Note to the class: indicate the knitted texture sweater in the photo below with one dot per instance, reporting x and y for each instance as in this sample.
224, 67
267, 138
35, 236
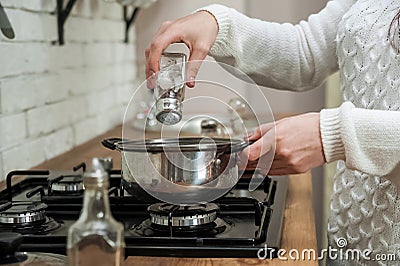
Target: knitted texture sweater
363, 135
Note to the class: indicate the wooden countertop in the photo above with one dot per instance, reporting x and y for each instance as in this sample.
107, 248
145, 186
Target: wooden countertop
298, 229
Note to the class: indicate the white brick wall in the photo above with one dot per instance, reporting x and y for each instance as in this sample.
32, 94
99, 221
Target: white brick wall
30, 153
52, 97
12, 130
57, 142
31, 91
1, 165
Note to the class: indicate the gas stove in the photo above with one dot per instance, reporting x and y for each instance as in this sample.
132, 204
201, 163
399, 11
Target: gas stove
46, 202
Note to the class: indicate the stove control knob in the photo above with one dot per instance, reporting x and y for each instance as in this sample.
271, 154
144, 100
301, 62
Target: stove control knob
9, 244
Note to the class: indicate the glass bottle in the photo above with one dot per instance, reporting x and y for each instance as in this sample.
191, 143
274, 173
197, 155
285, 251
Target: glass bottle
96, 238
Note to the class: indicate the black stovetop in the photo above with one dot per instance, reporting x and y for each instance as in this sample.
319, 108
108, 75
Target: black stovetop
252, 220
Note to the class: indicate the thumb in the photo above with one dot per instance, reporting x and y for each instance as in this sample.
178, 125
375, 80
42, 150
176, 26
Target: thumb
259, 131
260, 147
193, 65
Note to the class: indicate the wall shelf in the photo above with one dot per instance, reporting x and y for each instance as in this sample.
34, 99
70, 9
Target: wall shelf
63, 13
129, 20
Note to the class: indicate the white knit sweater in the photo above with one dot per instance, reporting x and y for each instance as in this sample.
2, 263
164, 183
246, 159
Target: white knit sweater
364, 133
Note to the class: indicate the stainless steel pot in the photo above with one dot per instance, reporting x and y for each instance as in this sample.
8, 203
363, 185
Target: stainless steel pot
181, 170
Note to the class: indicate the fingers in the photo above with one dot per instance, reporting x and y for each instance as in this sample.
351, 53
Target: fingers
153, 55
166, 35
150, 75
154, 52
262, 165
197, 55
262, 146
257, 152
260, 131
265, 136
183, 30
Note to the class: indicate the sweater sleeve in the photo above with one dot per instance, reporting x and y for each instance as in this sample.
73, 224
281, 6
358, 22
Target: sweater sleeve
283, 56
368, 140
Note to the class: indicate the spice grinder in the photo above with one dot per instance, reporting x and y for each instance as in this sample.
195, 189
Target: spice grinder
170, 88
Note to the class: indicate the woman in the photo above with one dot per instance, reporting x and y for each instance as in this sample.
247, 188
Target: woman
360, 39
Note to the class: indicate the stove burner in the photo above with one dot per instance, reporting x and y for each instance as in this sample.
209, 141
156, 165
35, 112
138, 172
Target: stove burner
165, 214
22, 212
43, 227
68, 184
149, 229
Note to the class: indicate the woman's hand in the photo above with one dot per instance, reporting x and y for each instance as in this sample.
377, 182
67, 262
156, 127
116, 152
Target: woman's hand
198, 31
298, 144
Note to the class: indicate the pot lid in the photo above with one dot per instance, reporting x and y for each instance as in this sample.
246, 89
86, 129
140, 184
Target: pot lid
220, 145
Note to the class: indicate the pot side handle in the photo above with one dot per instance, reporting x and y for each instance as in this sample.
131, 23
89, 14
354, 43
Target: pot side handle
111, 143
240, 147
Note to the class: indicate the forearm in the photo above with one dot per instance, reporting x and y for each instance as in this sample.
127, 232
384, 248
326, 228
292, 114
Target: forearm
283, 56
